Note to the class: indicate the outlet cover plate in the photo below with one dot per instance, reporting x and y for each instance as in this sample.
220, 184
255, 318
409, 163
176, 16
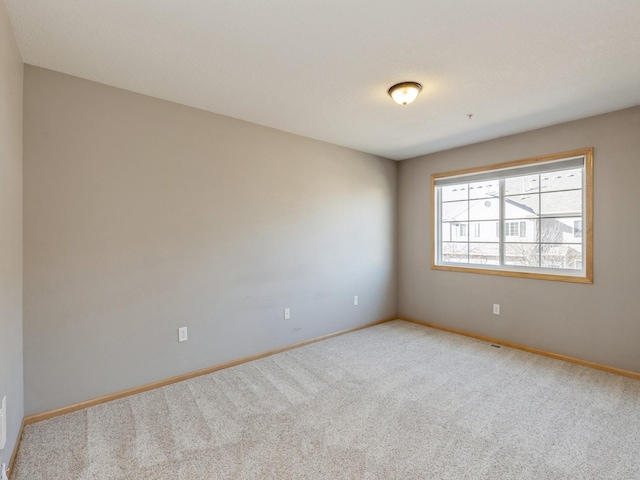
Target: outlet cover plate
182, 334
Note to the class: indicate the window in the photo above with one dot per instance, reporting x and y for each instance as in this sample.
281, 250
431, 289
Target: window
526, 216
514, 229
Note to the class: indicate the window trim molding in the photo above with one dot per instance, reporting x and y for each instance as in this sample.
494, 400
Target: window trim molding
587, 230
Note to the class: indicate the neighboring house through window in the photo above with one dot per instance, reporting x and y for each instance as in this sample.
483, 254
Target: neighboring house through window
515, 229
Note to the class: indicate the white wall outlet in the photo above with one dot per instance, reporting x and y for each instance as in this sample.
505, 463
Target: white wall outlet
3, 472
287, 313
355, 300
182, 334
496, 309
3, 422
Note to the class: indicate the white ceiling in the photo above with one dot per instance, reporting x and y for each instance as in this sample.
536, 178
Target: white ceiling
321, 68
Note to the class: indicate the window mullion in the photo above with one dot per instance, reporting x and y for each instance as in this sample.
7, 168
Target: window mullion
468, 217
438, 224
583, 220
501, 239
540, 220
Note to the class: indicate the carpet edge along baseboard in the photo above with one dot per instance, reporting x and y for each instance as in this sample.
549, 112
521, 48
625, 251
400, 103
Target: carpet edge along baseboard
186, 376
151, 386
12, 460
524, 348
39, 417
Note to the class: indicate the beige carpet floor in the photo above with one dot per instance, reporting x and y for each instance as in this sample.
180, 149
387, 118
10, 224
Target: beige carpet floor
394, 401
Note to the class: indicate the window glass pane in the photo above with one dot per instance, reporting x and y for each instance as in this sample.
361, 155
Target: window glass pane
455, 252
484, 253
522, 185
562, 180
484, 209
455, 211
455, 231
561, 256
488, 189
484, 231
446, 233
561, 230
521, 206
451, 193
562, 203
522, 254
577, 228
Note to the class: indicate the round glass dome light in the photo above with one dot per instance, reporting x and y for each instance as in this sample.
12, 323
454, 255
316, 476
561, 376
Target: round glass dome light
404, 93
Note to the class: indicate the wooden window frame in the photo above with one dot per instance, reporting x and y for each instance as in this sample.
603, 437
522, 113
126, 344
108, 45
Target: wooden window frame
587, 230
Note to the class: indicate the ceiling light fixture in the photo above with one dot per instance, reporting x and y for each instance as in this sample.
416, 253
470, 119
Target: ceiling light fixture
404, 93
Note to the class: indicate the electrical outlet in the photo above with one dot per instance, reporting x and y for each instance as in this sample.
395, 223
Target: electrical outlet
3, 472
182, 334
496, 309
287, 313
355, 300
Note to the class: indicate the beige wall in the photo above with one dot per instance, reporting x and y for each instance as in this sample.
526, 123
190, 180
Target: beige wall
599, 322
11, 71
142, 216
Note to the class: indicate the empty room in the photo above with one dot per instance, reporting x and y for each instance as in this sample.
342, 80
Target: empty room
319, 240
